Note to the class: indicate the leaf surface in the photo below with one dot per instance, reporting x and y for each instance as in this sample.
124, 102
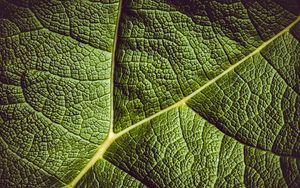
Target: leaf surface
150, 93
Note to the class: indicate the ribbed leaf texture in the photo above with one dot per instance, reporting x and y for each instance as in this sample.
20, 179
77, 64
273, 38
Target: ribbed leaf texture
155, 93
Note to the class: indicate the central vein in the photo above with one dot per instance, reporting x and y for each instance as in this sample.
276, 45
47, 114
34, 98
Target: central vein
113, 136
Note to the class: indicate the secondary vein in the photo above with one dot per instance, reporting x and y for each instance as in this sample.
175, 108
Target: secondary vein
113, 136
185, 99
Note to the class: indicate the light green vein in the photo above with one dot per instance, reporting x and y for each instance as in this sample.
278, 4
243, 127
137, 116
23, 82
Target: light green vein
113, 136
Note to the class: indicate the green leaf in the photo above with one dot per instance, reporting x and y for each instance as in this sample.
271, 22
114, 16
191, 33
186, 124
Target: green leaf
158, 93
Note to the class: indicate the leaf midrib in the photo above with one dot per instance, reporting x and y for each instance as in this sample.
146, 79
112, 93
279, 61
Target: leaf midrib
113, 136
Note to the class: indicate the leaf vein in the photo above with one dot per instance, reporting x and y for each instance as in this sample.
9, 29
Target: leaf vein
113, 136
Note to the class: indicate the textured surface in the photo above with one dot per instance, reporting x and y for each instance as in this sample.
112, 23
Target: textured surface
261, 97
104, 174
158, 93
179, 148
55, 88
168, 50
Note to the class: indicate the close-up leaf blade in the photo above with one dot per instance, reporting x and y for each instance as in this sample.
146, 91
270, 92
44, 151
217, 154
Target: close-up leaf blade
158, 93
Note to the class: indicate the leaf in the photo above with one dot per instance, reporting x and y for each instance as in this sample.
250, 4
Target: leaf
149, 93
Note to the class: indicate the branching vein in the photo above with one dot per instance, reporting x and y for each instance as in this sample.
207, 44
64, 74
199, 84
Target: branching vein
113, 136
